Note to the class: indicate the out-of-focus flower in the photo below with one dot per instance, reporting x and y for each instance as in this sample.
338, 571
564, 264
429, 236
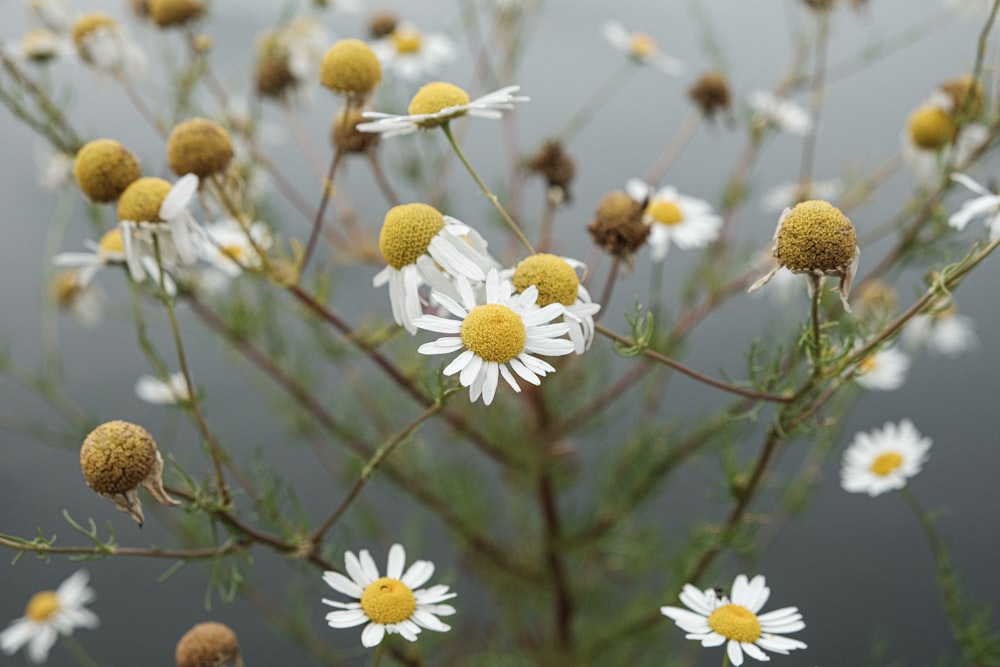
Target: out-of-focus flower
438, 103
171, 391
786, 115
499, 335
641, 48
884, 459
41, 46
942, 330
102, 43
83, 301
986, 205
674, 218
711, 93
554, 164
933, 140
110, 250
817, 239
393, 604
104, 168
53, 14
230, 248
618, 225
411, 54
352, 69
48, 615
208, 644
713, 620
55, 169
884, 370
787, 195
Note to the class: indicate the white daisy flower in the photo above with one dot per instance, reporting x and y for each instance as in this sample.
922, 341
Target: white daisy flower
413, 55
714, 620
171, 223
987, 205
884, 370
641, 48
109, 250
557, 281
422, 246
438, 103
943, 331
931, 140
53, 14
786, 115
228, 247
787, 195
685, 221
153, 390
48, 615
40, 46
84, 302
505, 330
884, 459
393, 604
304, 40
102, 43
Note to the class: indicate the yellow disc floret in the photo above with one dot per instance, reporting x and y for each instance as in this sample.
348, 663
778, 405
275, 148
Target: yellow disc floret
66, 287
117, 456
407, 232
199, 146
733, 621
104, 168
350, 67
886, 463
85, 26
142, 199
40, 45
207, 645
388, 601
556, 280
41, 606
931, 128
816, 237
166, 13
642, 46
436, 97
407, 40
665, 212
494, 332
111, 242
617, 225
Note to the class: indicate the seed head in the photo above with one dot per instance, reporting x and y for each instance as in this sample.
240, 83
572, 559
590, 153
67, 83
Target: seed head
351, 68
104, 168
273, 77
345, 135
142, 199
382, 24
167, 13
617, 225
964, 90
711, 93
555, 166
208, 645
199, 146
815, 237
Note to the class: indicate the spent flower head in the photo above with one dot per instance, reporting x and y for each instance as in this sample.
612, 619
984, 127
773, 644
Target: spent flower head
618, 225
208, 644
169, 13
884, 459
101, 42
104, 168
711, 93
199, 146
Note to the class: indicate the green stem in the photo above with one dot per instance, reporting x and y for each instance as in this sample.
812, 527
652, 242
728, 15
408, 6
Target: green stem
486, 191
379, 651
75, 649
816, 342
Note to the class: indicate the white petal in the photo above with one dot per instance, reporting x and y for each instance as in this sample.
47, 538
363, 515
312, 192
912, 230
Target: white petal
346, 619
372, 635
459, 363
397, 559
179, 196
418, 574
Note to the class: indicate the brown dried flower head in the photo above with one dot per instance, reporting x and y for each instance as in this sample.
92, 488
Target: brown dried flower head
711, 93
964, 90
104, 168
208, 644
617, 225
168, 13
556, 167
345, 135
382, 24
199, 146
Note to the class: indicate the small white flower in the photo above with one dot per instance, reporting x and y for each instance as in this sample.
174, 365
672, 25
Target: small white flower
943, 331
786, 115
176, 235
884, 370
503, 331
110, 250
48, 615
713, 620
641, 48
413, 55
109, 50
673, 218
305, 40
787, 195
987, 205
438, 103
41, 46
931, 141
159, 392
884, 459
393, 604
228, 247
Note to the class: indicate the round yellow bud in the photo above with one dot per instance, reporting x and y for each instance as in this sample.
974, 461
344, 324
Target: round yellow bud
350, 67
207, 645
117, 456
104, 168
167, 13
199, 146
816, 237
141, 200
931, 128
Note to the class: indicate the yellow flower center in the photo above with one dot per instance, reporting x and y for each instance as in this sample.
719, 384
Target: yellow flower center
87, 24
931, 128
733, 621
388, 601
41, 606
642, 45
886, 463
351, 67
816, 237
40, 44
112, 242
867, 364
407, 231
104, 168
665, 212
234, 252
407, 40
66, 287
494, 333
556, 280
435, 97
142, 199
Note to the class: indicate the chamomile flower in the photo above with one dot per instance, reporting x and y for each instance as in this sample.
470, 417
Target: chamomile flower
884, 459
109, 250
422, 246
411, 54
557, 281
942, 330
40, 46
641, 48
393, 604
48, 615
228, 247
84, 302
673, 218
171, 391
786, 195
438, 103
101, 42
152, 207
304, 40
713, 619
497, 336
986, 205
55, 169
932, 139
53, 14
883, 370
786, 115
